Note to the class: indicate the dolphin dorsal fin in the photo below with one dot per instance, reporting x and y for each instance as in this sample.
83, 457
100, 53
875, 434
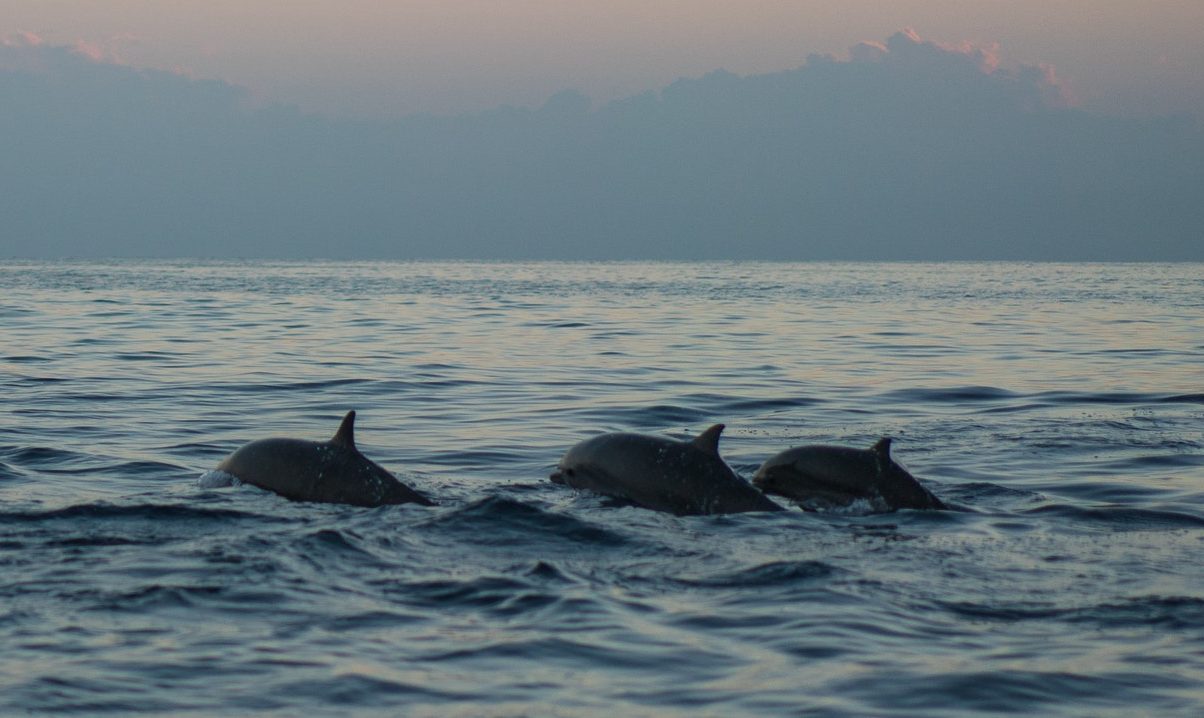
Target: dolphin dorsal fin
345, 436
882, 453
709, 440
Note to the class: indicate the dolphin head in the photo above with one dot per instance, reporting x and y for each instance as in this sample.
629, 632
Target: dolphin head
771, 475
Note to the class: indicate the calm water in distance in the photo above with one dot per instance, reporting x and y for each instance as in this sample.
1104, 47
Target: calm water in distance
1060, 407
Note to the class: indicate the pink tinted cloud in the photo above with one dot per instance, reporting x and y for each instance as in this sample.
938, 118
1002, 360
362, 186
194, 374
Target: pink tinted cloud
907, 48
906, 45
105, 51
30, 53
21, 39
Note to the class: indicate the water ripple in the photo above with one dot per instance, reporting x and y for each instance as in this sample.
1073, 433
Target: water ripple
507, 521
1057, 407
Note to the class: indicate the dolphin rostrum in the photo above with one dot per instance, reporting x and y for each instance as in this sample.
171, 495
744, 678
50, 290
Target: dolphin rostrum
825, 477
332, 471
680, 477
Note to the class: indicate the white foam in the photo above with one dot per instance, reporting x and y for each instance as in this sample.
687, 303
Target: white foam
217, 480
857, 507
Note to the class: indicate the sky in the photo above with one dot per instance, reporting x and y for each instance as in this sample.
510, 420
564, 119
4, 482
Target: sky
398, 57
655, 130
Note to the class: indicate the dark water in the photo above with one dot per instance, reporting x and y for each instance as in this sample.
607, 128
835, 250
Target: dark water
1062, 407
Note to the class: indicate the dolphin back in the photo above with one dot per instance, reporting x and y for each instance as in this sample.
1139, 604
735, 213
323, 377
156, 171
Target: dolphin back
323, 471
661, 474
825, 477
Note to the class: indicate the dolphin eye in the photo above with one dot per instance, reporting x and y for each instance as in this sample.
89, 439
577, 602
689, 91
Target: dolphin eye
569, 472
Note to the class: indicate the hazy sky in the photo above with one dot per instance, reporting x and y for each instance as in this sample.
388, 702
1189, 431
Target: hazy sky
397, 57
992, 130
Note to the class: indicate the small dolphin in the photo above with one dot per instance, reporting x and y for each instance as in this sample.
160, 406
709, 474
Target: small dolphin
332, 472
680, 477
824, 477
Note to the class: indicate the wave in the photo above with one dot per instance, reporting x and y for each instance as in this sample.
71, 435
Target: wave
1175, 461
260, 387
49, 460
776, 573
337, 540
143, 598
8, 472
146, 356
25, 359
1120, 518
1183, 398
972, 492
957, 394
142, 512
655, 416
1117, 397
39, 455
733, 407
499, 592
348, 688
1011, 691
98, 540
988, 394
507, 521
1175, 612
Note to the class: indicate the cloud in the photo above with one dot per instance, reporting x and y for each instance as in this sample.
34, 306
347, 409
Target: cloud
21, 39
85, 73
868, 51
905, 149
907, 47
924, 62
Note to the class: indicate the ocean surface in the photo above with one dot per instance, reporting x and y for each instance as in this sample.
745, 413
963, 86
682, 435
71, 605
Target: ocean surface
1059, 408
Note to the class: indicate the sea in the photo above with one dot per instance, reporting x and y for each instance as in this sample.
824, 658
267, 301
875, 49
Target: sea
1058, 408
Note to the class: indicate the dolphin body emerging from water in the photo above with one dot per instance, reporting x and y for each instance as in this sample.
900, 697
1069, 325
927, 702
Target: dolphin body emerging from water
680, 477
332, 472
827, 477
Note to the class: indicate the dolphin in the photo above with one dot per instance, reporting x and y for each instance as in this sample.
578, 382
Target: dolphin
332, 472
680, 477
824, 477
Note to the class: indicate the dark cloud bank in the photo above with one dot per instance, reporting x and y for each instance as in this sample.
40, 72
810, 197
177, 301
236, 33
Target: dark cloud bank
907, 150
